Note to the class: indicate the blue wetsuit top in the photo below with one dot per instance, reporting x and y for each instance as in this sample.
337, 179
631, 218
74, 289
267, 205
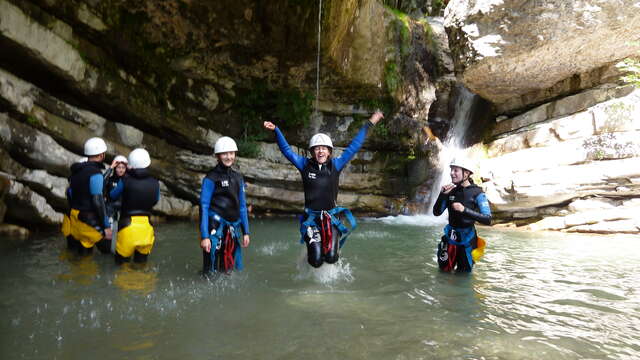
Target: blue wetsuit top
117, 191
320, 181
206, 197
95, 188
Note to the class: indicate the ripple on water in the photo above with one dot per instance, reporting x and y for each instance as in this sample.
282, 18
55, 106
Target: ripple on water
273, 248
602, 294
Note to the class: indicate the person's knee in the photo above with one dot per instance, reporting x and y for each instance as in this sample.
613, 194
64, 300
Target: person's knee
315, 262
331, 258
72, 243
139, 257
104, 246
119, 259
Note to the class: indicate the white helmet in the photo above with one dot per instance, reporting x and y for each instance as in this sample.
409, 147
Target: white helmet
121, 159
95, 146
462, 163
139, 159
320, 139
225, 144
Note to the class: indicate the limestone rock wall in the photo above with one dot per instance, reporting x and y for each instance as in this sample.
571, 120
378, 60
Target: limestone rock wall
520, 53
572, 164
561, 153
173, 77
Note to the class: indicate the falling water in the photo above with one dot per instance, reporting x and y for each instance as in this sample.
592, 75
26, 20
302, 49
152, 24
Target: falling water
318, 55
453, 143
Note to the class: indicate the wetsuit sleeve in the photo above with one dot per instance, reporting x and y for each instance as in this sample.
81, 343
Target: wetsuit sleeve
441, 204
68, 193
117, 191
297, 160
208, 187
244, 217
353, 147
484, 216
106, 174
97, 198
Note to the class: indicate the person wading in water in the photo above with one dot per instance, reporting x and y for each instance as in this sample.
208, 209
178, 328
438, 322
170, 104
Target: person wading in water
460, 246
322, 231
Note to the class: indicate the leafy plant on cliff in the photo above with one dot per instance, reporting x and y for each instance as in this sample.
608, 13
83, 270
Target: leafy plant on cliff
392, 77
608, 147
631, 68
288, 108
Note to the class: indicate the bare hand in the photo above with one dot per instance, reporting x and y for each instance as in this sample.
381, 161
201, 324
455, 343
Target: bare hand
269, 125
457, 206
245, 241
108, 234
205, 244
376, 117
114, 163
447, 188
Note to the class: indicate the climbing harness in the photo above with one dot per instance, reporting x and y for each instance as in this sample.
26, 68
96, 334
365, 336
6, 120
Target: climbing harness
226, 255
328, 218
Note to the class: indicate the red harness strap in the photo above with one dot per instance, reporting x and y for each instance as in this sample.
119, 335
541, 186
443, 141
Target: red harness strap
229, 246
452, 251
326, 233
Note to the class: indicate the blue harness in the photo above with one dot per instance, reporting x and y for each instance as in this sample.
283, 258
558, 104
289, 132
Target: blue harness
464, 237
312, 215
217, 233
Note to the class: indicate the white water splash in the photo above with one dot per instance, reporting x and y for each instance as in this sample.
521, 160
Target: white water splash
326, 274
415, 220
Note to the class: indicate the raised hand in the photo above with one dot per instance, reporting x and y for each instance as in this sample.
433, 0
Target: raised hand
269, 125
376, 117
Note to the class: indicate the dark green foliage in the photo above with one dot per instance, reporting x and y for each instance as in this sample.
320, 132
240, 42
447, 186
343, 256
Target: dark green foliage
248, 147
289, 109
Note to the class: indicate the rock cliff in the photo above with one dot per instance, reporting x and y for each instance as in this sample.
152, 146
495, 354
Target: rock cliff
173, 76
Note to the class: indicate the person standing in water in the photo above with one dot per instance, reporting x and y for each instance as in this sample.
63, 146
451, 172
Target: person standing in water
88, 223
139, 192
223, 213
322, 231
112, 176
466, 204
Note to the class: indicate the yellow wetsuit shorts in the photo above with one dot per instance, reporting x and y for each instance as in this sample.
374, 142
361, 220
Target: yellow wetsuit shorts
137, 236
81, 231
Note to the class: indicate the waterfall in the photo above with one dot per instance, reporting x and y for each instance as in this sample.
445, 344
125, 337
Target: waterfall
318, 55
454, 141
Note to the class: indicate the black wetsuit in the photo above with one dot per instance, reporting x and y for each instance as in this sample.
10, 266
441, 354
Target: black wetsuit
139, 193
321, 189
476, 208
110, 183
92, 209
320, 185
222, 193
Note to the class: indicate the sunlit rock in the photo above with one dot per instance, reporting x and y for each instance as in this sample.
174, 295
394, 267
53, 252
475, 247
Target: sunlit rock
517, 53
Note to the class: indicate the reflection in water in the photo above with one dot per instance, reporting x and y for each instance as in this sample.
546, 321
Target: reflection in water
82, 269
533, 295
136, 277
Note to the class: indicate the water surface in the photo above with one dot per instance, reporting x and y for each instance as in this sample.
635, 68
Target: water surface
534, 295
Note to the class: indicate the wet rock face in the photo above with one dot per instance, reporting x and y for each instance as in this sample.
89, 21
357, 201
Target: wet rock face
515, 53
170, 76
570, 165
